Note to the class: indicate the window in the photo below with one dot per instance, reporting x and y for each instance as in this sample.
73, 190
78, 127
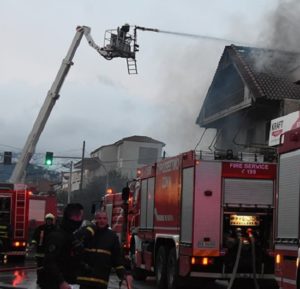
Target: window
147, 155
5, 210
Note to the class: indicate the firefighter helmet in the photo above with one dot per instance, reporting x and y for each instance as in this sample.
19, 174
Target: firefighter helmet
50, 216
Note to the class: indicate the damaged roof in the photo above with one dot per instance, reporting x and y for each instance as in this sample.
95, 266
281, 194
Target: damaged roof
270, 73
245, 75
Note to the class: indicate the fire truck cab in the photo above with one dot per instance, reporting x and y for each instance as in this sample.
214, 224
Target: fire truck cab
288, 209
206, 219
14, 205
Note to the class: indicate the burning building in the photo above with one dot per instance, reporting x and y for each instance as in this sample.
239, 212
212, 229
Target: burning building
251, 87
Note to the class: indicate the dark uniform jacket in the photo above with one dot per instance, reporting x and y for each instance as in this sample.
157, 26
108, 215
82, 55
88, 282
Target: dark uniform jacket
61, 263
39, 238
101, 253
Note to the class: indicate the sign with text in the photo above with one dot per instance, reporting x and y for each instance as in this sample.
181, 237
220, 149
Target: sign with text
249, 170
282, 124
238, 220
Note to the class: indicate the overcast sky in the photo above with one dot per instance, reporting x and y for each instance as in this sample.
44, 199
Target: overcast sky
99, 102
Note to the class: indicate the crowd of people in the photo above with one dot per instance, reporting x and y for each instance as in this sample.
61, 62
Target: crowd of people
70, 253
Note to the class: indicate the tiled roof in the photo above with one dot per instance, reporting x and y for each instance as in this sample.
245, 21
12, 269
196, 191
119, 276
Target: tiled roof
134, 138
138, 138
270, 74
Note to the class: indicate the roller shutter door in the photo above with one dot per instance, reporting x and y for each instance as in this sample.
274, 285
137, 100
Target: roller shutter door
248, 192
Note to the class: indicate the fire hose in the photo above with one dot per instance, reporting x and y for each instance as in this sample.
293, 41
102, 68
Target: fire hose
252, 240
236, 264
237, 260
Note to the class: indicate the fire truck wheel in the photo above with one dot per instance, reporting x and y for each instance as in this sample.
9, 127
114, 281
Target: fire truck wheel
161, 268
172, 270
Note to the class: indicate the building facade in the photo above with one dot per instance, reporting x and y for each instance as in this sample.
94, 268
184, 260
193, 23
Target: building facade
126, 155
251, 87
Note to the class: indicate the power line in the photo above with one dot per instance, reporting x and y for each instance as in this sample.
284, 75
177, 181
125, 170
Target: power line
9, 146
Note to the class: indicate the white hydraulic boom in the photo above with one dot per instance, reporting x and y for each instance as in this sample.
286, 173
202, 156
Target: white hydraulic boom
120, 45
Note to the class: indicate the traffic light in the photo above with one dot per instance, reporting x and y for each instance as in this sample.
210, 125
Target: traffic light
7, 158
49, 158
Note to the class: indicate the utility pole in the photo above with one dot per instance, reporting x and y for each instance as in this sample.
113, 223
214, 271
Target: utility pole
82, 166
70, 167
70, 182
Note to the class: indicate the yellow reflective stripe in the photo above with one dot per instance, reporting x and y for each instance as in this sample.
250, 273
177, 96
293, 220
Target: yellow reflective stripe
91, 230
33, 242
101, 281
39, 255
93, 250
3, 227
119, 267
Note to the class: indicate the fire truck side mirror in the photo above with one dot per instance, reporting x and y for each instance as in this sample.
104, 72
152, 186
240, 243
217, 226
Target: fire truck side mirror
125, 194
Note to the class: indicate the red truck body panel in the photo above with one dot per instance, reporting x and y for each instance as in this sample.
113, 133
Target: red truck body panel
39, 206
167, 196
207, 210
287, 226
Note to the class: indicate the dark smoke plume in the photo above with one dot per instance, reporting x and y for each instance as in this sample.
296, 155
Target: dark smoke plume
280, 35
283, 27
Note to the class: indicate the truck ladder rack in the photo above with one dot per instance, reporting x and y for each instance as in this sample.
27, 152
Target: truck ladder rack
19, 231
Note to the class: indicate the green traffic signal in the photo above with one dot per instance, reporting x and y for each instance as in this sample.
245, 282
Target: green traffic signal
49, 158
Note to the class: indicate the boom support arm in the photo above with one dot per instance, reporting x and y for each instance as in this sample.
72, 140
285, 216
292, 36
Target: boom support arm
18, 173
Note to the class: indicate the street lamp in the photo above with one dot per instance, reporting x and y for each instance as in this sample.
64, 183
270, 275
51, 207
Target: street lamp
70, 182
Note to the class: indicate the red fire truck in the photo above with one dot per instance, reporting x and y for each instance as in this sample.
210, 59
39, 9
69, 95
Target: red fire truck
14, 205
189, 217
287, 226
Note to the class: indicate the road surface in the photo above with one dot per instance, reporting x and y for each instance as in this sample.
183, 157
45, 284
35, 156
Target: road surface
23, 276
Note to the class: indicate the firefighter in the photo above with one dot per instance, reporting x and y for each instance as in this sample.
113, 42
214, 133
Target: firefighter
102, 252
61, 261
124, 30
122, 36
38, 243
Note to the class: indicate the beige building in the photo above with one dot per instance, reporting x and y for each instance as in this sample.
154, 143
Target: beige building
125, 156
